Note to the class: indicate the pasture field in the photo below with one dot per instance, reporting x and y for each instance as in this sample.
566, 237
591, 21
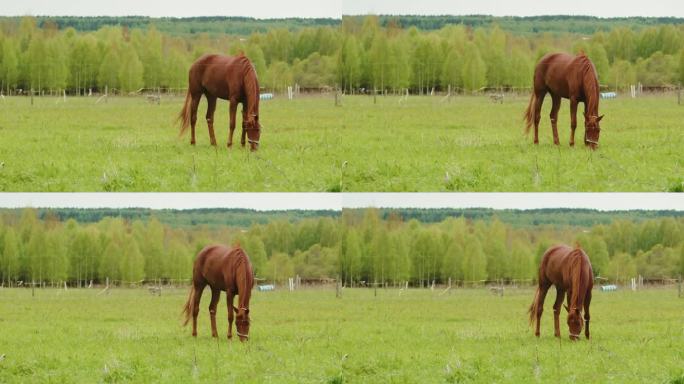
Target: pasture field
308, 144
309, 336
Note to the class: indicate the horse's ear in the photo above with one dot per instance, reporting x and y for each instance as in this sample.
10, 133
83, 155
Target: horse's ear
599, 118
235, 309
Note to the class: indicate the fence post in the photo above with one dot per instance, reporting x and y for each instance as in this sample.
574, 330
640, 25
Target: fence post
338, 288
679, 289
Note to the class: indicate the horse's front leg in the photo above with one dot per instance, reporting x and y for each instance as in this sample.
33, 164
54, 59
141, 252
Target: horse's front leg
560, 294
229, 297
233, 111
573, 120
242, 139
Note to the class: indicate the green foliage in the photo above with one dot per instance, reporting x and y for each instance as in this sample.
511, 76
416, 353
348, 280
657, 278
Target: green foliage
367, 52
370, 245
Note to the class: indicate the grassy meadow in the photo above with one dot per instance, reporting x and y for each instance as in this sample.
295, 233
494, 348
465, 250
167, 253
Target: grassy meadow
308, 144
309, 336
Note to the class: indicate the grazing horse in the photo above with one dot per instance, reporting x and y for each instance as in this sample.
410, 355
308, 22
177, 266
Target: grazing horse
570, 77
222, 269
570, 271
231, 78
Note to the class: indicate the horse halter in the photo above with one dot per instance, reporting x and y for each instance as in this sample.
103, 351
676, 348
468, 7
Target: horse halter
252, 129
246, 321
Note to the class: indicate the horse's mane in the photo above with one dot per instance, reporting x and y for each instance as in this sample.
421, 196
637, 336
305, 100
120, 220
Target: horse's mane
251, 84
579, 284
589, 81
243, 259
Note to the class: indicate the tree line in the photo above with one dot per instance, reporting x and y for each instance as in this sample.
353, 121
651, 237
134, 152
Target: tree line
240, 217
356, 53
360, 247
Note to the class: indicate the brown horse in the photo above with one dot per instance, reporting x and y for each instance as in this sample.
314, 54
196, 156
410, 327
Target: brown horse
570, 77
231, 78
570, 271
223, 269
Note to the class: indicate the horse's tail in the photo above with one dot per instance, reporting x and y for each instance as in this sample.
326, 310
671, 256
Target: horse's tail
188, 308
530, 113
534, 307
184, 115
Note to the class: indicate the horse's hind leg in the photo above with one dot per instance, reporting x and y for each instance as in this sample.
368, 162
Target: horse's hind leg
554, 117
539, 100
215, 295
199, 288
573, 120
193, 116
560, 294
543, 289
211, 107
587, 317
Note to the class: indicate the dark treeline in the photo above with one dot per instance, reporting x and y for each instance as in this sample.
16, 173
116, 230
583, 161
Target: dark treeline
556, 24
356, 53
359, 246
210, 217
532, 217
237, 217
232, 25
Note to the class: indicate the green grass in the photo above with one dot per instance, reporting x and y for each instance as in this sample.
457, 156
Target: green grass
468, 144
309, 336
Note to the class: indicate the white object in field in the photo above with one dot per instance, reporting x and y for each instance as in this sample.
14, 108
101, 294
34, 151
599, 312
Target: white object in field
609, 287
608, 95
265, 96
266, 287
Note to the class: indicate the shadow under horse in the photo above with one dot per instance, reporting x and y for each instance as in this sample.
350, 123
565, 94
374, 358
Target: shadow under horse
222, 269
569, 270
571, 77
231, 78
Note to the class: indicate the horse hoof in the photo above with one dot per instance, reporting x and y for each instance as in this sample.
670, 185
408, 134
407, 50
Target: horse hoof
229, 145
192, 143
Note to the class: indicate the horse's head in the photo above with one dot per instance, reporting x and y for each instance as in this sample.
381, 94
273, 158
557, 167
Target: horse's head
250, 124
242, 323
575, 322
592, 130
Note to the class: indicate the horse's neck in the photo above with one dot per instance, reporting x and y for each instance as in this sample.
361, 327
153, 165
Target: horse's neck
242, 275
578, 291
590, 86
252, 95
